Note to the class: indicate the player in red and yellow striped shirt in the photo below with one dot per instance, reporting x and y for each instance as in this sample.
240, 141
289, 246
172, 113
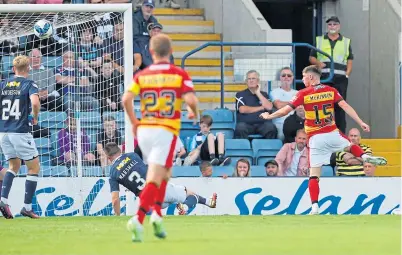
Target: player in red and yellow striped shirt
162, 87
324, 137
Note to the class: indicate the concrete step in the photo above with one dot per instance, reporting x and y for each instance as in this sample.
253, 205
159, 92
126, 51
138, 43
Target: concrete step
214, 95
217, 87
178, 12
189, 43
393, 158
194, 37
188, 26
385, 145
209, 73
207, 68
388, 171
170, 17
208, 52
203, 62
209, 106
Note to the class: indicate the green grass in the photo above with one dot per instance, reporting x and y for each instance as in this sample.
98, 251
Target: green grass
196, 235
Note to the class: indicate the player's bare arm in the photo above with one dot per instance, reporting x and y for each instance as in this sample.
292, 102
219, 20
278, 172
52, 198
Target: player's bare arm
116, 203
280, 113
35, 108
353, 114
192, 105
128, 105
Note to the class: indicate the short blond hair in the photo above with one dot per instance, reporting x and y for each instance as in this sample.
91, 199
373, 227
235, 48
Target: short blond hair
161, 44
21, 63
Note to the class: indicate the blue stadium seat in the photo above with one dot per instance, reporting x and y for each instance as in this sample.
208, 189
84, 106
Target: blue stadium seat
327, 171
107, 171
54, 171
223, 121
52, 120
55, 148
88, 171
258, 171
45, 159
186, 171
43, 145
238, 148
91, 120
265, 148
23, 171
219, 171
6, 63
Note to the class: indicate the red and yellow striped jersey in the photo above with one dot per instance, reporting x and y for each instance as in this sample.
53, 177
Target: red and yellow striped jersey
160, 87
318, 102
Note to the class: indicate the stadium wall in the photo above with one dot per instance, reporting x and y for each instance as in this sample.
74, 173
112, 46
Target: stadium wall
374, 88
241, 21
236, 196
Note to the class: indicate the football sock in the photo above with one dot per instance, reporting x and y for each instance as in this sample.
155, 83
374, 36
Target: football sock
160, 197
356, 150
1, 185
191, 201
201, 200
314, 189
7, 183
30, 187
147, 199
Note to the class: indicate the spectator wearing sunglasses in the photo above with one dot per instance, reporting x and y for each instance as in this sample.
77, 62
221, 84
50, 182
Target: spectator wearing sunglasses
281, 97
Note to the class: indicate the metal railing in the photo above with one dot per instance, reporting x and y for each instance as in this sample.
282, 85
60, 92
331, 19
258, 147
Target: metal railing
222, 65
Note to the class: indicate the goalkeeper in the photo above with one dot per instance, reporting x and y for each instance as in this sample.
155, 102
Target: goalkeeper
130, 171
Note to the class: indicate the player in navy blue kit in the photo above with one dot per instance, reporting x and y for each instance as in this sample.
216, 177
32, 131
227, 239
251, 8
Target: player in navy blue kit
17, 96
130, 171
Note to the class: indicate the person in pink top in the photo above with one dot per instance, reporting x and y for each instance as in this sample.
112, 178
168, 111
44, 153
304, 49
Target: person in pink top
293, 157
49, 1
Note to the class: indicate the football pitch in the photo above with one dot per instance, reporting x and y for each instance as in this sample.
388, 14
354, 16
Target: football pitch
204, 235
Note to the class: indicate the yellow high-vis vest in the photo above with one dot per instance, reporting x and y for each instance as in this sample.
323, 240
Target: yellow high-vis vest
340, 54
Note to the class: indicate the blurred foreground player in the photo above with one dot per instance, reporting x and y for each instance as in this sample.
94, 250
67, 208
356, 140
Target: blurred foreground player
130, 171
324, 137
18, 96
162, 88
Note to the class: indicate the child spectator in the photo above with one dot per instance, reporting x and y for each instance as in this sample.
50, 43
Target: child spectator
206, 169
206, 146
242, 168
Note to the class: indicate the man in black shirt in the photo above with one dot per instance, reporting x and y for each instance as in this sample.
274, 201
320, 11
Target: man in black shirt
250, 103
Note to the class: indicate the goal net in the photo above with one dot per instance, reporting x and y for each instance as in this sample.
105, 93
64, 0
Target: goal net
81, 72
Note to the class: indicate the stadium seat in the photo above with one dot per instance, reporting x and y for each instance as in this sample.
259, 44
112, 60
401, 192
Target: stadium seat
238, 148
265, 148
258, 171
54, 121
107, 171
43, 145
327, 171
223, 121
54, 143
54, 171
91, 120
186, 171
219, 171
88, 171
45, 159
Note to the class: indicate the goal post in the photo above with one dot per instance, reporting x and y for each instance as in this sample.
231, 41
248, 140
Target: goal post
85, 79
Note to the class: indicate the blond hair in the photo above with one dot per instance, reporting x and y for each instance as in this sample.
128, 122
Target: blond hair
21, 63
161, 44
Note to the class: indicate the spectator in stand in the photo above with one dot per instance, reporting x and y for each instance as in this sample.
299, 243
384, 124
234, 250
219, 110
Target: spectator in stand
206, 169
89, 50
206, 146
142, 18
293, 157
293, 123
347, 164
281, 97
74, 84
109, 134
272, 168
17, 1
250, 103
369, 169
67, 144
49, 98
168, 4
180, 151
142, 56
108, 88
8, 46
114, 48
242, 169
